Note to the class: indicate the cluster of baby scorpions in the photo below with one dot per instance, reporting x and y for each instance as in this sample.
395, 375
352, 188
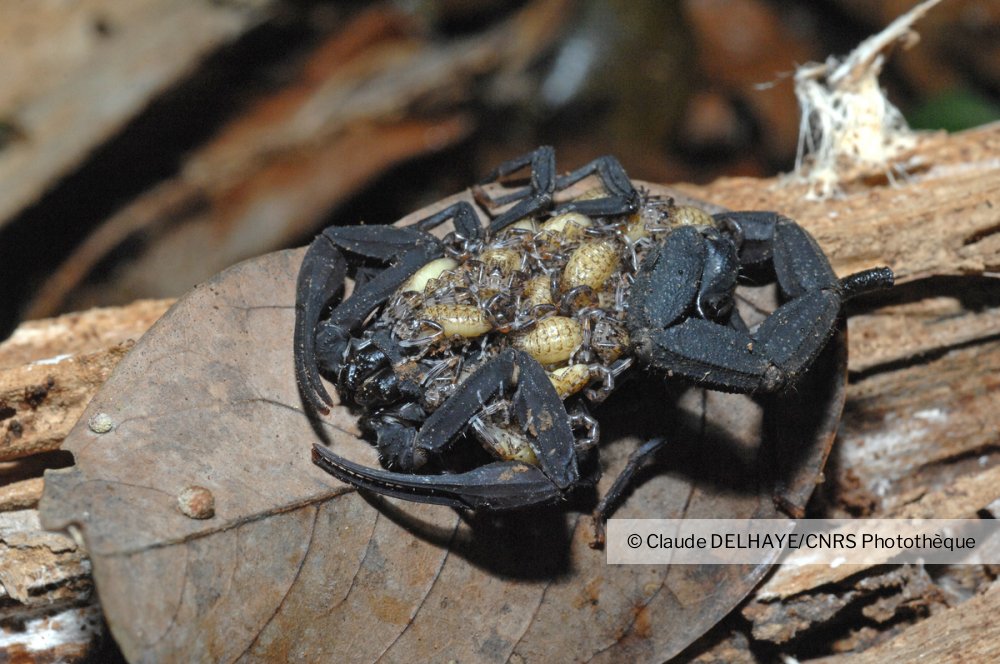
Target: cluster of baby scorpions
508, 331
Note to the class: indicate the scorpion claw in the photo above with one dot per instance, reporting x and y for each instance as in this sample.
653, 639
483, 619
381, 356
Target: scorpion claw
321, 276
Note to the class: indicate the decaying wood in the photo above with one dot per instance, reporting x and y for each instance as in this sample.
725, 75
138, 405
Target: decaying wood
42, 400
965, 311
960, 500
914, 431
939, 220
82, 72
21, 495
920, 431
965, 633
376, 91
50, 369
780, 622
40, 567
84, 332
919, 434
48, 610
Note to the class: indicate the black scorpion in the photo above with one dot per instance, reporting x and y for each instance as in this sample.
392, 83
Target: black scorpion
503, 330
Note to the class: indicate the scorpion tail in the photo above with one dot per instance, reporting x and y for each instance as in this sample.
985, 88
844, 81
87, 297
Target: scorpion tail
496, 486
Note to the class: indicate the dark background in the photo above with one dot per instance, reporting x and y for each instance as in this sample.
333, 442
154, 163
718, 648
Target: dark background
689, 90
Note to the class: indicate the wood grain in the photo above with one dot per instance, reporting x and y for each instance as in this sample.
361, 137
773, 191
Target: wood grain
82, 73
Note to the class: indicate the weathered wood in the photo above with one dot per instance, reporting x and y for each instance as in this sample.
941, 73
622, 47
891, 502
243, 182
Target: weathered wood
780, 622
21, 495
373, 93
919, 432
39, 402
39, 567
954, 312
81, 72
937, 224
915, 430
50, 369
78, 333
48, 610
960, 500
940, 220
966, 633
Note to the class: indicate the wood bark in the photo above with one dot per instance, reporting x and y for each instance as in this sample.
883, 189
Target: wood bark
121, 54
375, 91
919, 435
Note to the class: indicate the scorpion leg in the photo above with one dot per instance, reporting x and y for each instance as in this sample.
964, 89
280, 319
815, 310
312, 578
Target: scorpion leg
622, 197
536, 406
463, 216
500, 485
534, 198
542, 163
610, 500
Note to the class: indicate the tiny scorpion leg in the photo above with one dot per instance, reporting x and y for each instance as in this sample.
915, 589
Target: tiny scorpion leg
610, 500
